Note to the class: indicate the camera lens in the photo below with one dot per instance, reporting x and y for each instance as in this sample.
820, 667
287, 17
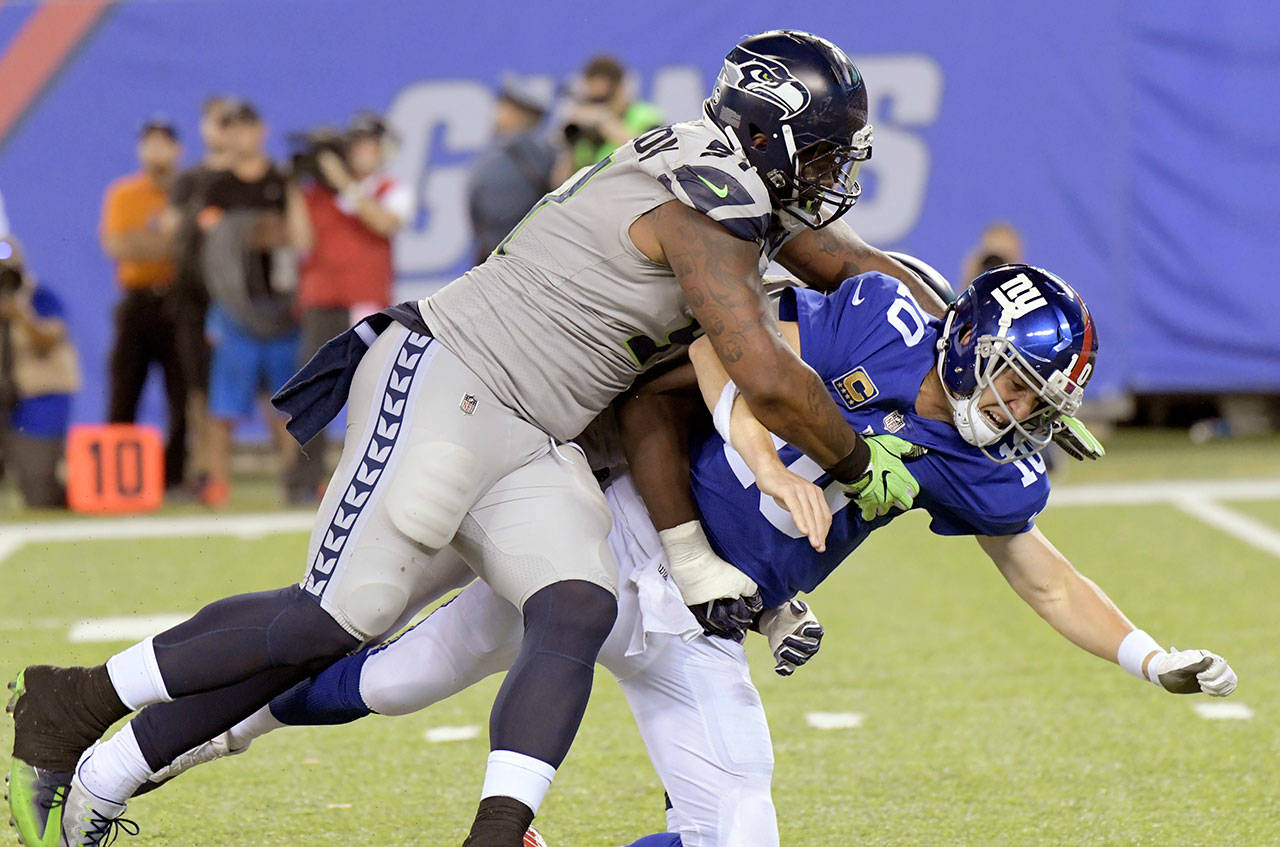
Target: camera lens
10, 281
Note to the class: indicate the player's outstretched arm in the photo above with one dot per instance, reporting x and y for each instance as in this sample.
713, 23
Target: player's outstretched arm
824, 258
737, 425
1077, 608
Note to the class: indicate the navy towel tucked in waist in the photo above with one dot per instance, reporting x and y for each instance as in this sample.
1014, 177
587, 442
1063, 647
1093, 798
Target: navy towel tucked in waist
314, 395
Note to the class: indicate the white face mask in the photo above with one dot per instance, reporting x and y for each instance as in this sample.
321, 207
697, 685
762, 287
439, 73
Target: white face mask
974, 427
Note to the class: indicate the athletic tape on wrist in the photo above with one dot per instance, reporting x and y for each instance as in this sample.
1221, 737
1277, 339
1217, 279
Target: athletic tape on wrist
722, 413
680, 539
1135, 647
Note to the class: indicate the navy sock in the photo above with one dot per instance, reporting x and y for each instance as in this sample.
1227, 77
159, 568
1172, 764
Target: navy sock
330, 697
661, 839
541, 702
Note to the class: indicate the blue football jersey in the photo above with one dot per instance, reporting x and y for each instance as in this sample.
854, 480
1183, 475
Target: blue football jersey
872, 345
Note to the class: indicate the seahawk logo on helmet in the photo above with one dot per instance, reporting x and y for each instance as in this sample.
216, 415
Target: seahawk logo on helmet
765, 78
796, 107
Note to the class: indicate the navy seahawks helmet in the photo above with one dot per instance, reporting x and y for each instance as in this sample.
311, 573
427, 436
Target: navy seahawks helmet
1027, 319
806, 97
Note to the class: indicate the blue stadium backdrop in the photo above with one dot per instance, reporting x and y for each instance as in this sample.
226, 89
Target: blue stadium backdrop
1135, 144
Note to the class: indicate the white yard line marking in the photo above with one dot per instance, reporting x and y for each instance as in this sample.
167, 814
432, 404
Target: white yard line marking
1224, 710
339, 806
1243, 527
1163, 491
10, 543
17, 624
442, 734
125, 628
833, 720
14, 536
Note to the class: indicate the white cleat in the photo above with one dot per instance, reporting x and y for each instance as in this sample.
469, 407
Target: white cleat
89, 820
206, 752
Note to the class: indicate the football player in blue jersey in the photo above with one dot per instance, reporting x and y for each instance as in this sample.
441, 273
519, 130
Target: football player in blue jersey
980, 394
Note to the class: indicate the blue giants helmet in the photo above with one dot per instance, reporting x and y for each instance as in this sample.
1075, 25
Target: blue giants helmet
1027, 319
804, 95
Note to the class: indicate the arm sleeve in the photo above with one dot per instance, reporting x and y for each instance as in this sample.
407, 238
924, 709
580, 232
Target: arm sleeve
960, 522
999, 504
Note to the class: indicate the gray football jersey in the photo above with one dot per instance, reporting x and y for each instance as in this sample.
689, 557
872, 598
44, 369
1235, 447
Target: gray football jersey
566, 312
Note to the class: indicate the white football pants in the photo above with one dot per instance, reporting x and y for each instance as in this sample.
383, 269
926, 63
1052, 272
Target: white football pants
701, 718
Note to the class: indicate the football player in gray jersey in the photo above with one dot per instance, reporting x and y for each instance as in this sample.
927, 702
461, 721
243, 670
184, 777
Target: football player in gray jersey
458, 413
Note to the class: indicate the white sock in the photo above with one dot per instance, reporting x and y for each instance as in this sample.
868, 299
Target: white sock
136, 676
524, 778
116, 768
256, 725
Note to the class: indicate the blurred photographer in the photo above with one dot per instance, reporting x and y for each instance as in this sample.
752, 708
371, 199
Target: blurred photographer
514, 171
188, 300
133, 237
603, 114
355, 209
1000, 244
39, 371
254, 225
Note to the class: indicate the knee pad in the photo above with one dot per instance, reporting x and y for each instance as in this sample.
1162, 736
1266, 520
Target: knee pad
304, 635
433, 487
371, 608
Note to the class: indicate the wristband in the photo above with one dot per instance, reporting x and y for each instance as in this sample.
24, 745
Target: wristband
1135, 647
849, 469
722, 413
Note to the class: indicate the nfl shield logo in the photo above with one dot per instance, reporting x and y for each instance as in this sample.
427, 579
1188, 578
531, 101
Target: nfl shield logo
468, 404
893, 422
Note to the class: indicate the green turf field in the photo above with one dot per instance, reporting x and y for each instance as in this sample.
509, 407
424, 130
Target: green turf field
980, 725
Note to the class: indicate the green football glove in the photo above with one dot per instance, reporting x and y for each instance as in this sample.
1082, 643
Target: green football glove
886, 482
1076, 440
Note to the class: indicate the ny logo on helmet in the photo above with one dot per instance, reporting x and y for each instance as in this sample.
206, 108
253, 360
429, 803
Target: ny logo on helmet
1019, 296
765, 78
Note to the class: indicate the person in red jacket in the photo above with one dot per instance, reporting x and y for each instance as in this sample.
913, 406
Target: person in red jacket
355, 211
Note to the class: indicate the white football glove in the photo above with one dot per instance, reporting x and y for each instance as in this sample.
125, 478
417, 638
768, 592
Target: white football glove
723, 599
794, 635
1191, 672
